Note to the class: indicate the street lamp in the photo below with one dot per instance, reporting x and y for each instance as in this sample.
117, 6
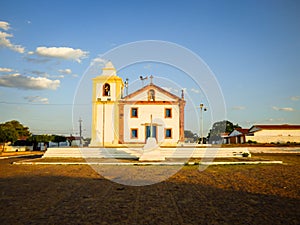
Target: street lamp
202, 108
126, 86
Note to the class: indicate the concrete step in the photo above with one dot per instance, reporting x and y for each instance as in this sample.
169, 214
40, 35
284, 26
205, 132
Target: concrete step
130, 153
86, 153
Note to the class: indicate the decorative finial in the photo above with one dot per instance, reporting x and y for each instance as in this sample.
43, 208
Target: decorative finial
151, 79
182, 94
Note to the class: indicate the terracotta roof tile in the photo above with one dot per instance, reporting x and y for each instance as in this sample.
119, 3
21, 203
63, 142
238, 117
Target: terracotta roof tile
255, 128
280, 127
242, 130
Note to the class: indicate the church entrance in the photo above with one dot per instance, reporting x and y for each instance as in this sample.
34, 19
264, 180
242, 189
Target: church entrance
153, 133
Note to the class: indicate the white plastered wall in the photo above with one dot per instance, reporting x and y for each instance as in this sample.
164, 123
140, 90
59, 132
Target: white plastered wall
158, 116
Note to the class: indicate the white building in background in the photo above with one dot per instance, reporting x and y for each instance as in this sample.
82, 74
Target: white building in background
274, 133
149, 111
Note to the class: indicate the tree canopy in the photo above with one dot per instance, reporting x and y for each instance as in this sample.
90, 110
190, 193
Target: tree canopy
58, 139
11, 131
188, 134
219, 128
40, 138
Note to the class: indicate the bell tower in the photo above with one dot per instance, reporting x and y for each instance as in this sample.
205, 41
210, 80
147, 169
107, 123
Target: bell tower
107, 91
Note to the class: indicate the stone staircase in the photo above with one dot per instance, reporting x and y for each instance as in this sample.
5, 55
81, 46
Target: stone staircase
87, 153
129, 153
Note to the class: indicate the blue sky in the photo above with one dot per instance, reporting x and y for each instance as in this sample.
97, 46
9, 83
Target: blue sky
252, 47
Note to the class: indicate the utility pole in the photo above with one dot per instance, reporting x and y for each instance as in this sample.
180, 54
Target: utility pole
80, 132
202, 108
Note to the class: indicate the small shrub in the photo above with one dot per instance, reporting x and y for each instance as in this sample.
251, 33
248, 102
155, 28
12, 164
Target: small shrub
245, 154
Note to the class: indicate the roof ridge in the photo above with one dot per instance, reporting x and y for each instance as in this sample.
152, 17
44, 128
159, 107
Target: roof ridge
148, 86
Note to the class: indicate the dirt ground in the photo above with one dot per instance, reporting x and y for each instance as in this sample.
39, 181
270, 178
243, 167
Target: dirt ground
76, 194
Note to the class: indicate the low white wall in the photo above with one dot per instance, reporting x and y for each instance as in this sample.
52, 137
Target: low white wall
275, 139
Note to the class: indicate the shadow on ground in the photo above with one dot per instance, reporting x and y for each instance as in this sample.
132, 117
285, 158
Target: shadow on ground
219, 195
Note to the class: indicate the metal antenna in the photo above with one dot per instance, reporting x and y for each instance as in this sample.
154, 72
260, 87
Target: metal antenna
142, 79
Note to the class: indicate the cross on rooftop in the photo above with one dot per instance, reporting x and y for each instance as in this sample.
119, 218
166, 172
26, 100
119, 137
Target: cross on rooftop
151, 78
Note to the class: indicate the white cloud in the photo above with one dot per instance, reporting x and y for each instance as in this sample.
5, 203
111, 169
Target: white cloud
295, 98
4, 35
62, 53
39, 73
65, 71
26, 82
195, 90
238, 107
5, 42
4, 25
287, 109
98, 62
37, 99
5, 70
44, 74
36, 59
57, 76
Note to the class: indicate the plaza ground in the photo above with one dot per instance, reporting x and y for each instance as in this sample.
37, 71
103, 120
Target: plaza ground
228, 194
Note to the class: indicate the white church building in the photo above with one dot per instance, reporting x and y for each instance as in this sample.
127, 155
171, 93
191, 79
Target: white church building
119, 120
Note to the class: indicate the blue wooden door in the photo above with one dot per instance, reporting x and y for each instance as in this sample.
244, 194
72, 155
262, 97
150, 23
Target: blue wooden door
148, 131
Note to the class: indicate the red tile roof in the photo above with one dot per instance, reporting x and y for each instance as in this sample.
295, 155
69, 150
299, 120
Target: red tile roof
242, 130
276, 127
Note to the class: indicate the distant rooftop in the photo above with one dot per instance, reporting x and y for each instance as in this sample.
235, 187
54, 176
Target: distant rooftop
278, 127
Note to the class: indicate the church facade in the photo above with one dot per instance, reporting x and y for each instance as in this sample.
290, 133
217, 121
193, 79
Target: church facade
122, 120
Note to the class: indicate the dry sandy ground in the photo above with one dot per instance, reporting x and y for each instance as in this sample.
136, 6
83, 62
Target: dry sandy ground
76, 194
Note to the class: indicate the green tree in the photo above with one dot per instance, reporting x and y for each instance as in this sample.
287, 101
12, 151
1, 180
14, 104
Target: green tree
70, 139
219, 128
11, 131
188, 134
21, 130
7, 133
58, 139
35, 139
